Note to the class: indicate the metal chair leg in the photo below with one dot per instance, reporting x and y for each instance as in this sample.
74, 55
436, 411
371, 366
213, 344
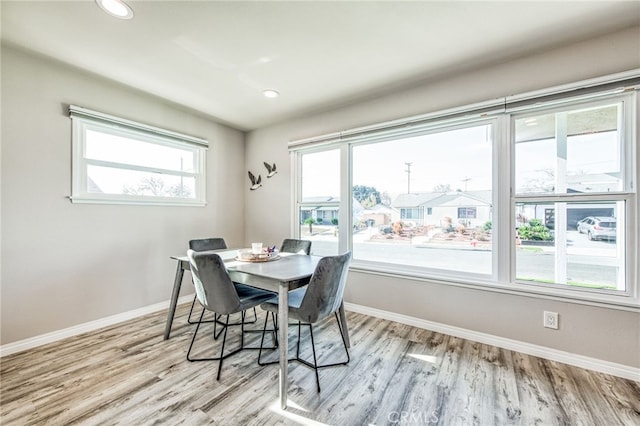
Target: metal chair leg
195, 297
224, 340
315, 365
298, 343
216, 317
193, 339
344, 339
315, 361
275, 339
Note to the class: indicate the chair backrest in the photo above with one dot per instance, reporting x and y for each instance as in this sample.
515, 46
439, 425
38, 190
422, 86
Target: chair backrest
326, 288
214, 287
205, 244
290, 245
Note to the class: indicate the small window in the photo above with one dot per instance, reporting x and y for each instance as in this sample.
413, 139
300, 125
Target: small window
466, 212
122, 162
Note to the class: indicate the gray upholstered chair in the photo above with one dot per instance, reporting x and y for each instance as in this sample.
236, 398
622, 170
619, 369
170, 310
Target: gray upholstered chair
204, 244
313, 303
217, 293
290, 245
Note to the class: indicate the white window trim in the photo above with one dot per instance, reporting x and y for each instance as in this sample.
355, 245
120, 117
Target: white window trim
501, 279
85, 119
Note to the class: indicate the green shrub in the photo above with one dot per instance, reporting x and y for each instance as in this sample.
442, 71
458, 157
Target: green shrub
534, 230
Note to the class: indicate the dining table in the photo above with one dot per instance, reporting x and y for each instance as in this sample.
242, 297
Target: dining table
284, 272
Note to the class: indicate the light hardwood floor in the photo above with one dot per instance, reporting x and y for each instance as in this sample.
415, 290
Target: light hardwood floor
399, 375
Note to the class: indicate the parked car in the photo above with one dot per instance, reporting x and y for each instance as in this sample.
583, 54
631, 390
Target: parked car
598, 228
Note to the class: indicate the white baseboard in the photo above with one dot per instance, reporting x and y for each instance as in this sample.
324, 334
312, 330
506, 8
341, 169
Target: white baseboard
607, 367
43, 339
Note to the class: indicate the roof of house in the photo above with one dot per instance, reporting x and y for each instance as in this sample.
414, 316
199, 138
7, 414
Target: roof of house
415, 199
435, 199
380, 209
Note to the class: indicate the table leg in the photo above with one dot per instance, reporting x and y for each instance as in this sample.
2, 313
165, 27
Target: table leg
177, 282
343, 323
283, 320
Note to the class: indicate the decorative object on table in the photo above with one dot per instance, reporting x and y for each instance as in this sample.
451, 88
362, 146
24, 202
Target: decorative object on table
256, 248
266, 254
271, 169
255, 183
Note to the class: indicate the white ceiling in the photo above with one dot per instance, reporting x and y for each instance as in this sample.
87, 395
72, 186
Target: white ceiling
217, 57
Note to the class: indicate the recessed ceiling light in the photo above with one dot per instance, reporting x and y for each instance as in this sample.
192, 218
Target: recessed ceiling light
270, 93
116, 8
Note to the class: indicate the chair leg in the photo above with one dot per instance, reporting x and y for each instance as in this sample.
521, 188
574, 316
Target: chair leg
216, 334
313, 348
224, 340
225, 327
275, 329
214, 320
298, 343
264, 330
193, 339
315, 365
344, 340
275, 339
193, 304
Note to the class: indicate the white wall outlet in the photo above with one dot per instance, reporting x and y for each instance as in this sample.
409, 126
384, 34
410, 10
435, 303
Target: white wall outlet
550, 320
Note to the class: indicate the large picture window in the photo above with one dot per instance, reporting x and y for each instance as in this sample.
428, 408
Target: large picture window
119, 161
398, 182
535, 196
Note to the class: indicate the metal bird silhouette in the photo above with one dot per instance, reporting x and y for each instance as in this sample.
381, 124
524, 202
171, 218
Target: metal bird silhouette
270, 169
255, 183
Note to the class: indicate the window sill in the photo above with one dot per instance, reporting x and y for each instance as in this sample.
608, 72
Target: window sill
139, 202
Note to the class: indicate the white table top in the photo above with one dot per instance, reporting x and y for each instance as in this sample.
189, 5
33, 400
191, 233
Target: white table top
289, 266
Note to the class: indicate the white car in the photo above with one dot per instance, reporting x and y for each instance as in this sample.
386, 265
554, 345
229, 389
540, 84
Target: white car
598, 228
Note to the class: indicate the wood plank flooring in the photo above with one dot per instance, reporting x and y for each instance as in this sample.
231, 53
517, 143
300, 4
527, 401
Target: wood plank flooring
398, 375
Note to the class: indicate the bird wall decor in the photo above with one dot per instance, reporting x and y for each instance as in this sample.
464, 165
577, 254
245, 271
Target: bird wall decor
255, 183
271, 169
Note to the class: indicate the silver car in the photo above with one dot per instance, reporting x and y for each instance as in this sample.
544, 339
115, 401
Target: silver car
598, 228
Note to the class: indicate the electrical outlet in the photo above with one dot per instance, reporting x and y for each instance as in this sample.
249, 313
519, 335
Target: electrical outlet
550, 320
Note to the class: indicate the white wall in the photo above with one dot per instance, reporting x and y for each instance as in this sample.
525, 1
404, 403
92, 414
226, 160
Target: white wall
66, 264
598, 332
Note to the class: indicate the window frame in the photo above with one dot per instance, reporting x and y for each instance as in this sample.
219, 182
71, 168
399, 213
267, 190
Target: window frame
84, 120
297, 190
627, 195
503, 278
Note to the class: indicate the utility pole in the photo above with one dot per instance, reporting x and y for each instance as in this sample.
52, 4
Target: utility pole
465, 180
408, 170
